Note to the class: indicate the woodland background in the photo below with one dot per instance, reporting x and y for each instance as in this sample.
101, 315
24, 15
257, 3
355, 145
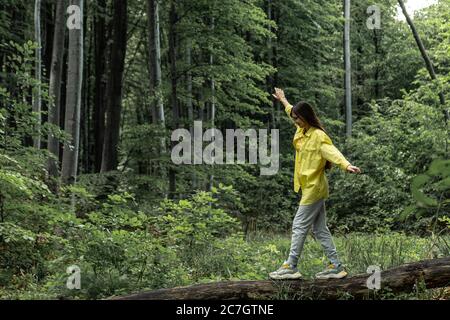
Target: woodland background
86, 177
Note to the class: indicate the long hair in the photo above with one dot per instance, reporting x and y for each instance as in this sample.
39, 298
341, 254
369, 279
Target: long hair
304, 110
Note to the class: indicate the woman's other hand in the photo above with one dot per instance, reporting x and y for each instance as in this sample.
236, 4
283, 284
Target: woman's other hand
353, 169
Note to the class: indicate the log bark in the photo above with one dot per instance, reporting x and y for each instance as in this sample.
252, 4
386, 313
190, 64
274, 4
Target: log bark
433, 273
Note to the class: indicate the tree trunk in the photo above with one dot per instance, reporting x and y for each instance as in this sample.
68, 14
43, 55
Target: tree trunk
157, 105
405, 278
73, 100
174, 95
100, 83
155, 62
37, 99
213, 107
377, 39
48, 18
190, 106
276, 103
270, 61
85, 130
114, 89
428, 63
348, 69
424, 53
56, 72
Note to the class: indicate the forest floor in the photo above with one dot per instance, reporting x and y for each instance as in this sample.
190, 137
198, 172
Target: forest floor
234, 258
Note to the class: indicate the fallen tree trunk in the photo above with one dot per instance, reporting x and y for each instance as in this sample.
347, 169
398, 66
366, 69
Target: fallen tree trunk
431, 273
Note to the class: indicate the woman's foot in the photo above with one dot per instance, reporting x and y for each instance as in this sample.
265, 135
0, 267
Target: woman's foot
332, 272
286, 271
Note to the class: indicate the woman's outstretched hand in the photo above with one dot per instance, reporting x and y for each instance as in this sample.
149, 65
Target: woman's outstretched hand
353, 169
279, 94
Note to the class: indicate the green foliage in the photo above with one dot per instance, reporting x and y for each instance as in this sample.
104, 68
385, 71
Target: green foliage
123, 232
434, 205
192, 224
391, 145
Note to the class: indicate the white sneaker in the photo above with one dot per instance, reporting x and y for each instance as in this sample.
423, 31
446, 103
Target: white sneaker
286, 271
332, 272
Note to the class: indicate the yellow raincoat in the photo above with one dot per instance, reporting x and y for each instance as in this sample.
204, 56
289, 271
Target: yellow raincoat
312, 150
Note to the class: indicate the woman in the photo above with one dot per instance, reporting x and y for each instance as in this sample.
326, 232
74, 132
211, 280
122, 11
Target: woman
314, 153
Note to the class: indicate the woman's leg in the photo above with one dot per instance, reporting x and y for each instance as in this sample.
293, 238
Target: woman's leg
304, 219
322, 233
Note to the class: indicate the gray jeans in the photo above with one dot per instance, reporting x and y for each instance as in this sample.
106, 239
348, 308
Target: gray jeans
311, 215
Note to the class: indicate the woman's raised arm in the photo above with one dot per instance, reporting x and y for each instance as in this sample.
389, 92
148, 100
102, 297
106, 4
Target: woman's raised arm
279, 95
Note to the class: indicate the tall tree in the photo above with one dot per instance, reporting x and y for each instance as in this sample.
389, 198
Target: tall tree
73, 94
155, 61
114, 87
212, 102
173, 19
348, 69
37, 98
271, 51
422, 49
157, 105
189, 103
100, 82
427, 61
56, 71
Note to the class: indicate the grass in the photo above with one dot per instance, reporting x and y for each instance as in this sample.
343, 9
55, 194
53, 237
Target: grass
357, 252
234, 258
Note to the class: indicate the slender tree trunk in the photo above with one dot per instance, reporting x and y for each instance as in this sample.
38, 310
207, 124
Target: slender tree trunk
56, 72
37, 99
174, 95
358, 66
100, 83
189, 105
428, 64
114, 90
270, 58
377, 42
48, 30
47, 47
424, 53
276, 104
73, 100
157, 106
213, 105
86, 112
348, 69
155, 60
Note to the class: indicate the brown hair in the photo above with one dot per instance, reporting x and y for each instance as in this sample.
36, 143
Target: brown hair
304, 110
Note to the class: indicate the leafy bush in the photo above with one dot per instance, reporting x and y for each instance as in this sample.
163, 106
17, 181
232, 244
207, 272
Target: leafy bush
433, 207
392, 145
